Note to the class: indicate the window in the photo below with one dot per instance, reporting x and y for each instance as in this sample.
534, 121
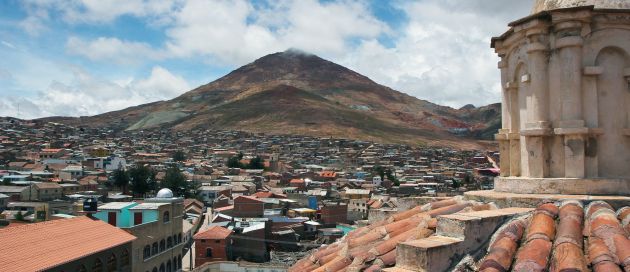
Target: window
111, 263
147, 252
166, 217
209, 252
98, 266
168, 266
175, 264
162, 245
169, 242
154, 269
179, 238
162, 268
175, 239
217, 241
154, 250
179, 261
124, 258
137, 218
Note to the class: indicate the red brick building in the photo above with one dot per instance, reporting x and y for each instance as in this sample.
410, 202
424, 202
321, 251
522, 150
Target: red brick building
247, 206
211, 245
334, 213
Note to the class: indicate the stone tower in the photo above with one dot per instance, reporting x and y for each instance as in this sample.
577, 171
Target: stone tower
565, 72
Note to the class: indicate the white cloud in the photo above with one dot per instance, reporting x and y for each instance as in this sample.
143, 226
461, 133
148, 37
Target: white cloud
111, 50
443, 53
440, 54
8, 44
236, 32
90, 95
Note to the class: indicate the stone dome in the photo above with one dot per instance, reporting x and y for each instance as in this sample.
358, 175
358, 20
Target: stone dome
542, 5
164, 193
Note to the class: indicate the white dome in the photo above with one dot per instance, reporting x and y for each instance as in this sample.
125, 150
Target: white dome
164, 193
542, 5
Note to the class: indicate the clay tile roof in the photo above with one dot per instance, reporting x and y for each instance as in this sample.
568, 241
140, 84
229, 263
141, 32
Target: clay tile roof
328, 174
248, 197
47, 185
555, 236
41, 246
214, 232
226, 208
263, 194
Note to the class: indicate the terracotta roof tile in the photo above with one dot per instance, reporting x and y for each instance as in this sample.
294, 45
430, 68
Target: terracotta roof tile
45, 245
607, 247
215, 232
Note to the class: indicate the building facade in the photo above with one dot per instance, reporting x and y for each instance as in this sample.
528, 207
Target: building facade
211, 245
157, 224
565, 72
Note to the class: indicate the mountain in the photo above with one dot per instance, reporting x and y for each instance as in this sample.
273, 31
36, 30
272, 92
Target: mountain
293, 92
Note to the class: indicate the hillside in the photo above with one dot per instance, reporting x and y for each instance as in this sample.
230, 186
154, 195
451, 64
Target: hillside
297, 93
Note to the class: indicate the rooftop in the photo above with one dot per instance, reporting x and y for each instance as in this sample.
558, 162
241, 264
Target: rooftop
214, 232
148, 206
23, 248
115, 205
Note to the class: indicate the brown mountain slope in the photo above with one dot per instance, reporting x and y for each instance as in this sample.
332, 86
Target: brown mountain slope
297, 93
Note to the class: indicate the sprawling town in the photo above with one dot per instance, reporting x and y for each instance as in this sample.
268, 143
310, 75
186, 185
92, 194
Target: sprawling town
192, 183
256, 198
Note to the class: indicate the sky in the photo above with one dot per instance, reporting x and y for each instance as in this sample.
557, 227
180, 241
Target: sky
85, 57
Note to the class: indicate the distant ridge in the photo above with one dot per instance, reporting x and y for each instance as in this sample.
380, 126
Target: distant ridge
294, 92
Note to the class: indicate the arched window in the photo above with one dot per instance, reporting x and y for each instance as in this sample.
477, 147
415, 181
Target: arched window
169, 242
179, 261
162, 245
124, 258
154, 269
162, 268
179, 238
111, 263
174, 263
147, 252
166, 217
82, 269
168, 266
98, 266
154, 250
175, 239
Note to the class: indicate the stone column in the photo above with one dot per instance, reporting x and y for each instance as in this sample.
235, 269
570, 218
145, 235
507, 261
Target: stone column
503, 135
538, 127
514, 133
626, 75
569, 47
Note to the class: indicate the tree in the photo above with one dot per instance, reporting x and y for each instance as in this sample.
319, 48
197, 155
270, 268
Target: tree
179, 156
380, 171
234, 162
121, 179
176, 181
19, 216
390, 175
141, 178
256, 163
